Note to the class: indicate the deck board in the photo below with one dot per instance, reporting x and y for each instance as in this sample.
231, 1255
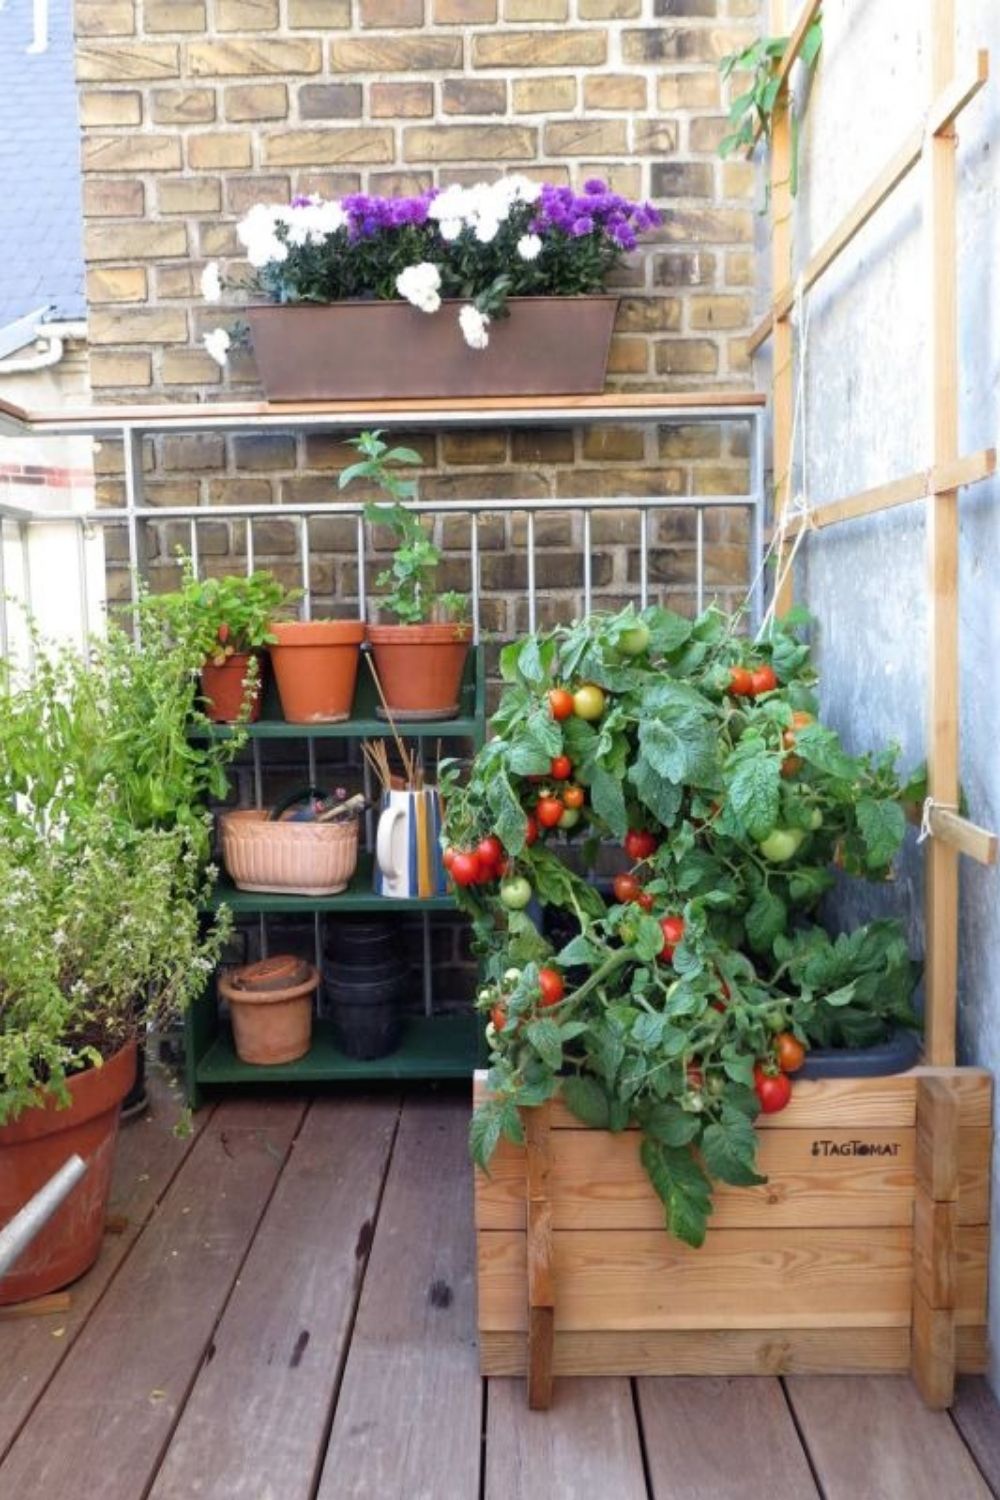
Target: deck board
408, 1421
976, 1414
586, 1446
872, 1436
722, 1439
102, 1424
282, 1338
147, 1158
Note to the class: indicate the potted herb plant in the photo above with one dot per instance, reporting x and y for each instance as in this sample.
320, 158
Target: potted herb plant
420, 659
690, 991
230, 619
497, 288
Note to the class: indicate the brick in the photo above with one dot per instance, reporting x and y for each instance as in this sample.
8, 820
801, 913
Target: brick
173, 15
277, 538
607, 482
719, 312
395, 54
183, 106
193, 452
584, 137
319, 15
535, 10
708, 226
628, 356
177, 281
131, 153
464, 12
268, 450
474, 447
171, 491
400, 184
706, 133
654, 137
617, 444
111, 367
698, 440
246, 15
507, 571
455, 531
329, 101
110, 107
211, 151
614, 91
648, 315
621, 178
550, 530
543, 445
215, 240
248, 59
146, 325
473, 96
329, 184
722, 479
544, 95
701, 8
119, 62
399, 100
686, 357
496, 485
256, 101
134, 241
116, 284
112, 197
189, 195
243, 192
241, 491
469, 143
327, 147
541, 49
391, 13
739, 179
609, 10
189, 367
104, 18
740, 268
688, 91
696, 268
675, 179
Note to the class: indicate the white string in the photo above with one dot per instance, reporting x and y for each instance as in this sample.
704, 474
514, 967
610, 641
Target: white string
926, 831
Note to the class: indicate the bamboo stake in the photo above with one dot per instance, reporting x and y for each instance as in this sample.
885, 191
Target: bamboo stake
781, 274
404, 754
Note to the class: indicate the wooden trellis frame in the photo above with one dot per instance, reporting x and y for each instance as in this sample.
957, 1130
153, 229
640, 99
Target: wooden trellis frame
933, 144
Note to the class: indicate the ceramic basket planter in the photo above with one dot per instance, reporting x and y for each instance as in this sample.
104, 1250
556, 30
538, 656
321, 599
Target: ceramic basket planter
865, 1252
288, 858
548, 346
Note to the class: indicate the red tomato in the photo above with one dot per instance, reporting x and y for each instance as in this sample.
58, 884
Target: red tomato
490, 851
561, 768
498, 1015
740, 682
626, 889
673, 930
465, 868
773, 1090
799, 721
695, 1077
549, 811
789, 1051
560, 703
644, 900
550, 983
763, 680
640, 844
448, 857
223, 633
530, 829
573, 796
791, 766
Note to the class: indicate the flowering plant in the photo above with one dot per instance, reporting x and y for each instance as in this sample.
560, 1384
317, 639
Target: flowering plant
482, 244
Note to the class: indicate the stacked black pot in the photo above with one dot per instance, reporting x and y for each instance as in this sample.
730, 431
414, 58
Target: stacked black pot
363, 986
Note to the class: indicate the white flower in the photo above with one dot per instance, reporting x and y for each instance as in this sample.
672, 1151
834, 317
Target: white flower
487, 230
218, 345
257, 231
421, 286
474, 326
211, 282
529, 247
450, 229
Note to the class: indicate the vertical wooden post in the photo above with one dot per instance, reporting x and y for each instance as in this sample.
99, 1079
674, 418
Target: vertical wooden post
541, 1286
935, 1242
941, 904
783, 355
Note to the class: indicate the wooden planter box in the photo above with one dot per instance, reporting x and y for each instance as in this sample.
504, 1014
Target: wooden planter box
866, 1251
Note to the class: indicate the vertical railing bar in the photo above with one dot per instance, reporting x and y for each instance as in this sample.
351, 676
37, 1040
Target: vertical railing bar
193, 546
81, 564
132, 453
644, 558
362, 578
369, 811
588, 579
249, 536
258, 802
4, 640
304, 567
426, 953
757, 522
699, 560
474, 567
25, 540
532, 602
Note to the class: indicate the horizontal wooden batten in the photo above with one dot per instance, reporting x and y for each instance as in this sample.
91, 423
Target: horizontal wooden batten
968, 838
971, 469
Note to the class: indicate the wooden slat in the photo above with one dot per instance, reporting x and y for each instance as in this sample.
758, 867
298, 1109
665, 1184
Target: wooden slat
147, 1157
721, 1439
782, 263
933, 1352
536, 1162
410, 1403
972, 1349
938, 1133
964, 836
975, 1152
976, 1414
971, 469
256, 1420
740, 1278
121, 1388
586, 1445
935, 1251
598, 1182
972, 1087
873, 1438
716, 1351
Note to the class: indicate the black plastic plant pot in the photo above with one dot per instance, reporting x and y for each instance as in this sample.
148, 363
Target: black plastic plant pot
364, 1008
899, 1052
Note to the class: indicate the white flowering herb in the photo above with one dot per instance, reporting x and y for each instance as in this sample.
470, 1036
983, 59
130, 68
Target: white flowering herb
529, 247
474, 326
211, 282
421, 286
217, 344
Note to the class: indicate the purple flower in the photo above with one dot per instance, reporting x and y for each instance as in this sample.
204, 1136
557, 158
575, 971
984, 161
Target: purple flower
594, 186
583, 225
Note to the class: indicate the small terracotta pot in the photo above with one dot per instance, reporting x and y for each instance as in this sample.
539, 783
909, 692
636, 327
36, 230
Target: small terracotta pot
420, 667
34, 1146
316, 666
271, 1007
224, 690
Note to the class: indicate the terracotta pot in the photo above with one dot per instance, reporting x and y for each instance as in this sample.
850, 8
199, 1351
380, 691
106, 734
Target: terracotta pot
288, 858
548, 346
316, 667
223, 689
420, 667
271, 1007
34, 1146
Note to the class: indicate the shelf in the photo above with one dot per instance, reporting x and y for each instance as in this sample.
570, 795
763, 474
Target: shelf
359, 896
435, 1047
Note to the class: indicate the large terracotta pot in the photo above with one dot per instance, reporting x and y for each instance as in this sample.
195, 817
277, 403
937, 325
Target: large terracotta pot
316, 666
34, 1147
548, 346
420, 667
224, 690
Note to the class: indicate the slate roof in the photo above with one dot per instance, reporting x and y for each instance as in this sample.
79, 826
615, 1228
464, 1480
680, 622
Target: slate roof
41, 218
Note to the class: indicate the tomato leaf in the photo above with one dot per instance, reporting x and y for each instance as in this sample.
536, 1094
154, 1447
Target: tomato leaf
545, 1037
670, 1124
585, 1098
729, 1150
682, 1188
753, 793
882, 825
662, 797
485, 1129
608, 800
765, 919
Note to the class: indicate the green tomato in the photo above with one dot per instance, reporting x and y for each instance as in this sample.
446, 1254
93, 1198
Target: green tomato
634, 641
486, 995
570, 818
815, 819
781, 844
511, 976
588, 701
516, 893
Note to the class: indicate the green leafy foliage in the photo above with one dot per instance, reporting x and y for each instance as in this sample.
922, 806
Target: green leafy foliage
223, 615
751, 112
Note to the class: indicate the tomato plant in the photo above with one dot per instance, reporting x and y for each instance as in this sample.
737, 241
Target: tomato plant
560, 703
549, 810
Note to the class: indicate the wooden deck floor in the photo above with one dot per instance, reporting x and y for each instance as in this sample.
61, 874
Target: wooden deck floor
287, 1311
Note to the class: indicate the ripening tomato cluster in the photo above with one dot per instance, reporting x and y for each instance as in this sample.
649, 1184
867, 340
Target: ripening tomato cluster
752, 682
481, 865
551, 990
770, 1080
